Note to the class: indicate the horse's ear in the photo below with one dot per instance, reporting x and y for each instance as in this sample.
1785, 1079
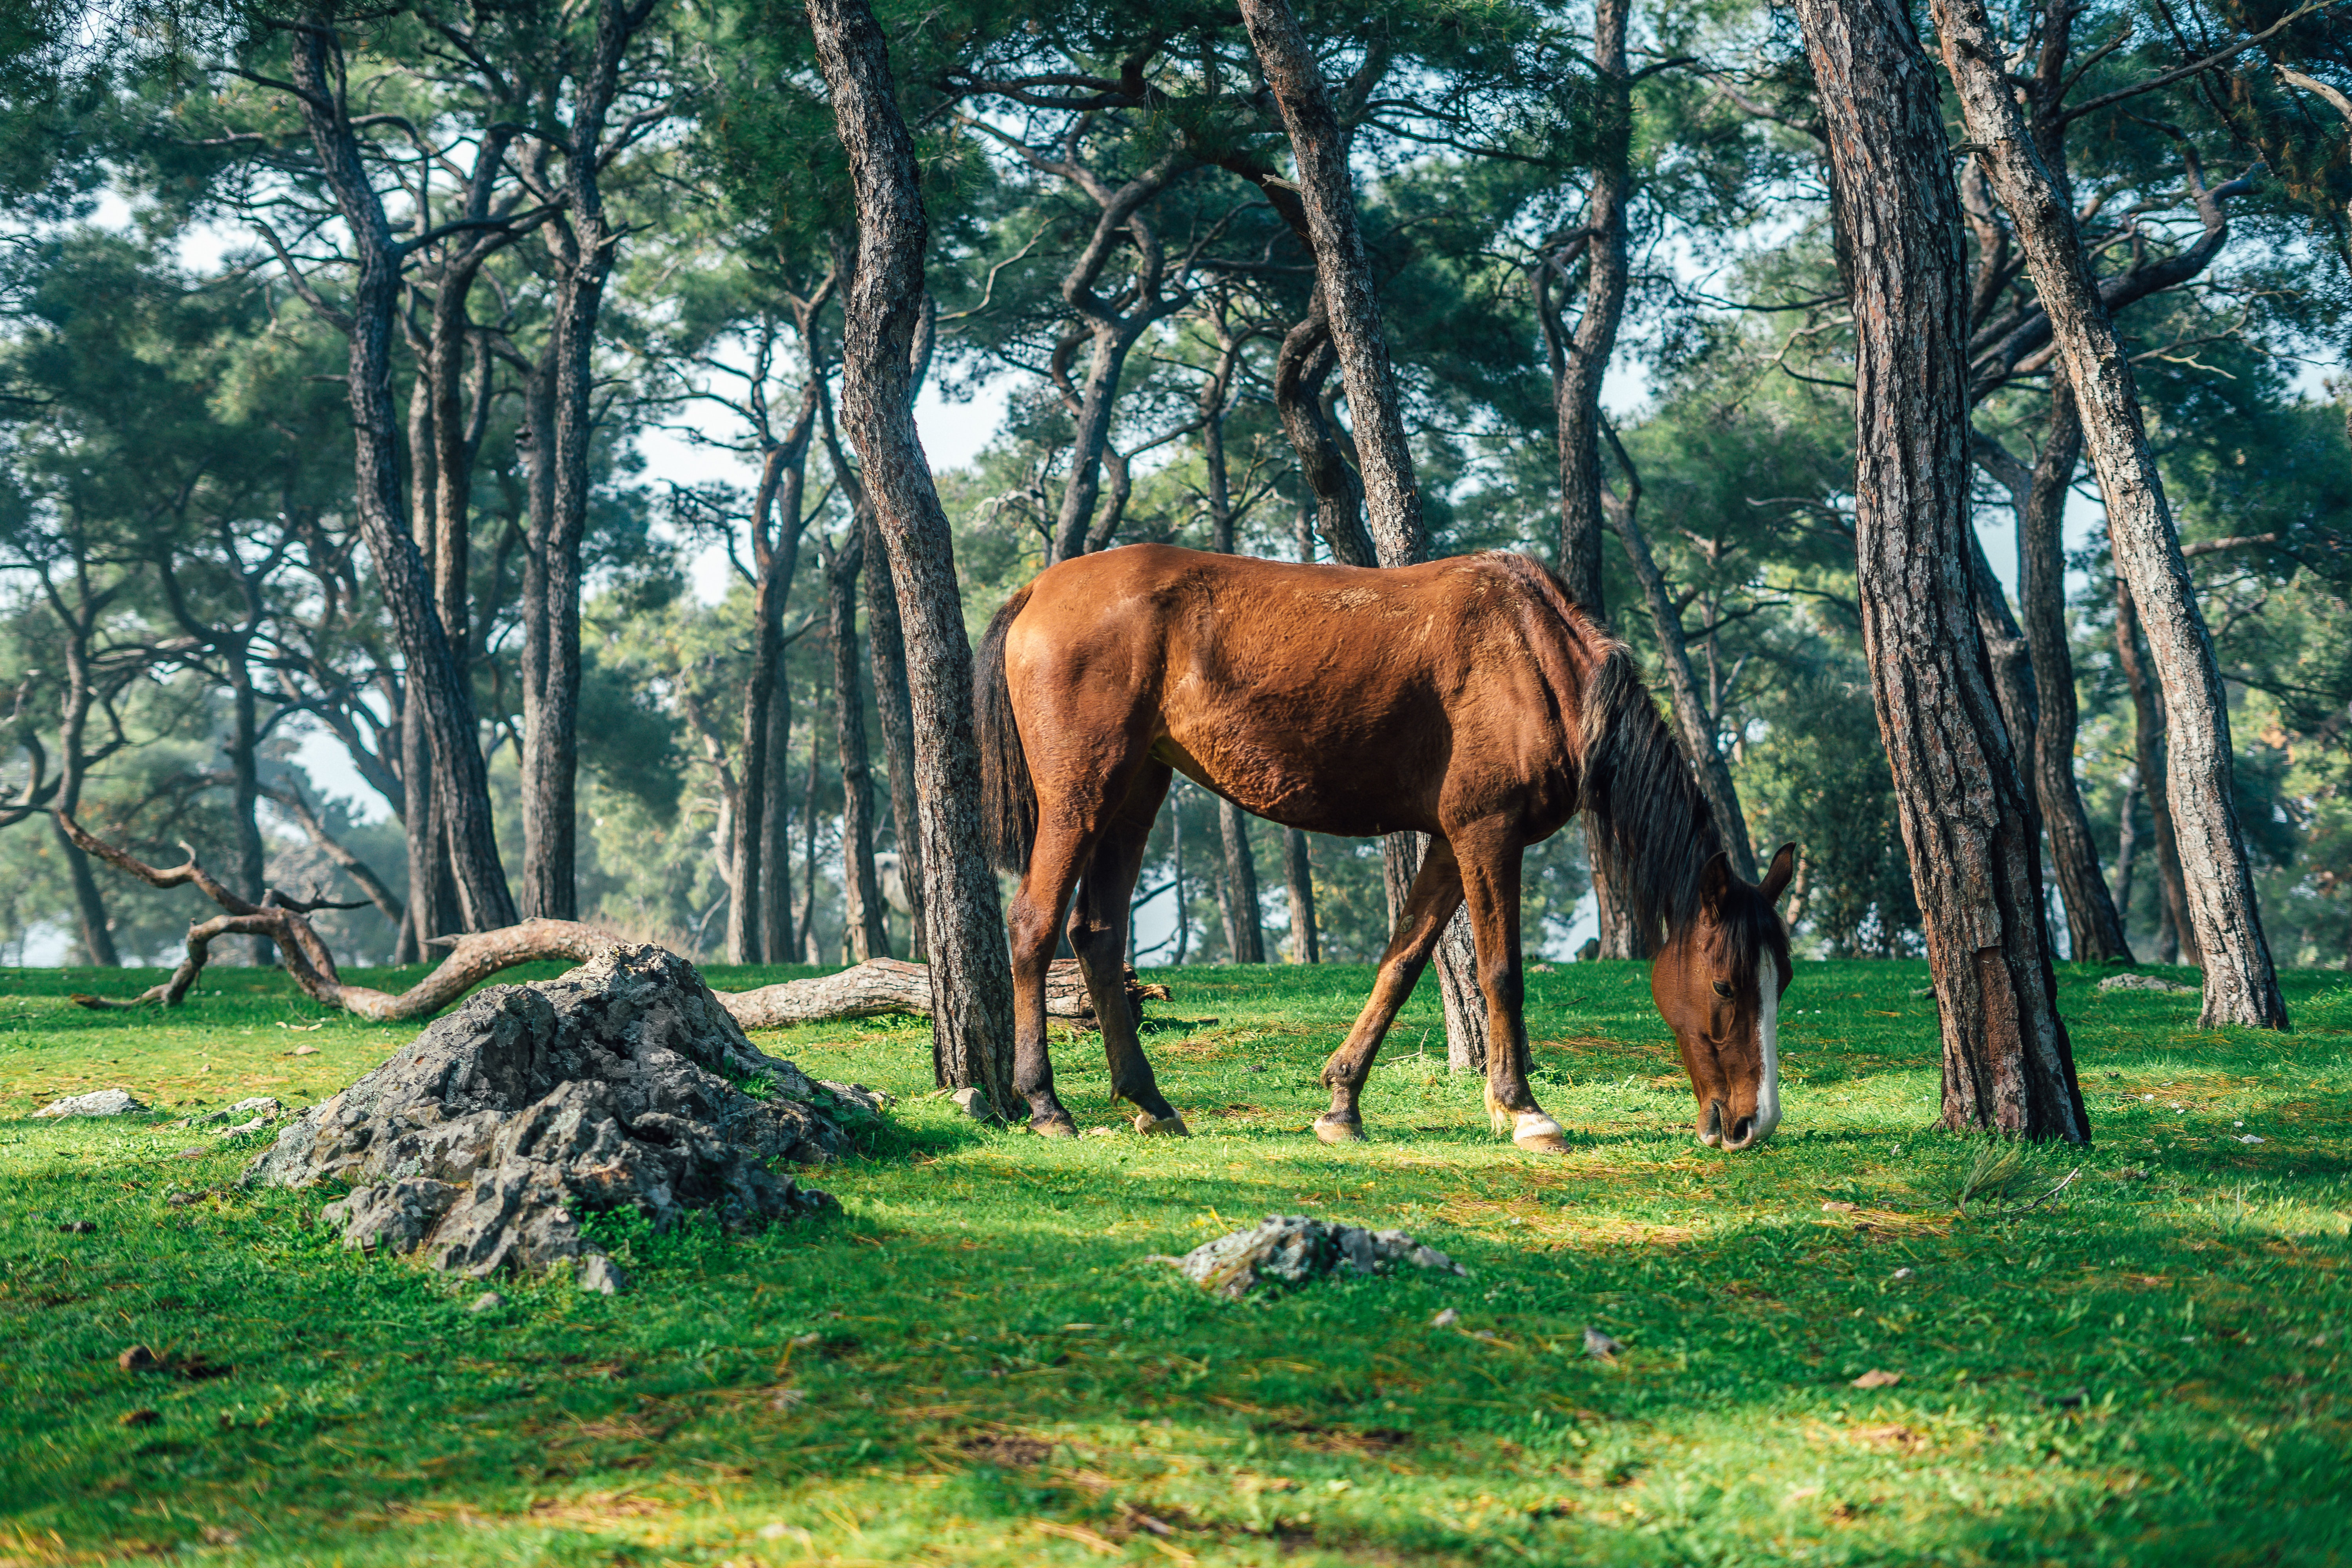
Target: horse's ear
1776, 878
1715, 880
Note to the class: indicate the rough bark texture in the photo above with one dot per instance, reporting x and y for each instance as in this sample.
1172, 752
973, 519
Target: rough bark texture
894, 703
971, 1028
1967, 822
1298, 874
485, 1141
1580, 360
2177, 938
2094, 927
2241, 982
435, 677
862, 928
1244, 928
1384, 459
1344, 274
887, 985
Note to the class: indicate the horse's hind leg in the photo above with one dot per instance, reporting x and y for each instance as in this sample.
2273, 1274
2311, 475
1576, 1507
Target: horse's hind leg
1436, 894
1097, 928
1490, 861
1033, 924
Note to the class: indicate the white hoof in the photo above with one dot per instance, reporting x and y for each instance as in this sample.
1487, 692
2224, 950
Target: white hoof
1538, 1133
1335, 1132
1153, 1126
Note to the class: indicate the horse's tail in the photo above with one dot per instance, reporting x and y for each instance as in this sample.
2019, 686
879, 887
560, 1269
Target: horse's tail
1008, 798
1652, 832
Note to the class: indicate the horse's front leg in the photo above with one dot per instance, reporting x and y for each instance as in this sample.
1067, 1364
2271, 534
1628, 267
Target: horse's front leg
1490, 881
1436, 894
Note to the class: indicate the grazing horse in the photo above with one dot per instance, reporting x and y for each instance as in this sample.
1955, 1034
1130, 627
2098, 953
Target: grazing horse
1467, 699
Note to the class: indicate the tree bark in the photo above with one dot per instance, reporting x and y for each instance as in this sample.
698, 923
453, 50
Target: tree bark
1697, 725
1297, 862
776, 931
893, 703
775, 529
90, 904
2177, 938
2093, 926
864, 930
971, 1026
2126, 842
1383, 459
1965, 817
1245, 928
436, 680
884, 987
2240, 980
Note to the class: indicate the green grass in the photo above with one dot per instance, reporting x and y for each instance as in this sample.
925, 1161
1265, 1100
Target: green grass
975, 1361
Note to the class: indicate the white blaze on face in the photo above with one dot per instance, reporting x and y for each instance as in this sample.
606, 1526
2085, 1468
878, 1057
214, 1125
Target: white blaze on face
1768, 1045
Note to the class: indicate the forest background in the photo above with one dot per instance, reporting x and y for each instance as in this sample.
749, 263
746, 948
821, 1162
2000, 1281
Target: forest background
616, 235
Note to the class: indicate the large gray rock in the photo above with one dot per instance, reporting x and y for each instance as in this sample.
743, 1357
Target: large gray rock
102, 1103
624, 1084
1290, 1249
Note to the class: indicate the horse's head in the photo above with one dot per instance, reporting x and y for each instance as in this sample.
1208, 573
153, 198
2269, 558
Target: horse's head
1719, 985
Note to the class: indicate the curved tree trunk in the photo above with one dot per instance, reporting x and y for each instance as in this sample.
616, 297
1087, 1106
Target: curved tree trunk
1384, 459
971, 1026
893, 703
2240, 980
1967, 819
2096, 928
2176, 938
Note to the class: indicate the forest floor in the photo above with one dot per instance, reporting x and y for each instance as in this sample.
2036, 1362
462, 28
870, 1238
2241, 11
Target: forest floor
976, 1360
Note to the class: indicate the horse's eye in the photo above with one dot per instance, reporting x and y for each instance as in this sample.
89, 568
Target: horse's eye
1723, 989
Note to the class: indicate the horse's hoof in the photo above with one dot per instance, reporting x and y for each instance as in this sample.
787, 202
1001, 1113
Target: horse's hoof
1332, 1130
1538, 1133
1170, 1126
1054, 1127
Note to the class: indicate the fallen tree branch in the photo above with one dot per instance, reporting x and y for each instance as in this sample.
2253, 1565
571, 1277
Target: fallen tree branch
873, 989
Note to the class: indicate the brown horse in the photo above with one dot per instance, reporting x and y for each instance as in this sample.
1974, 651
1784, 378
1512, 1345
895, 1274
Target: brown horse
1467, 698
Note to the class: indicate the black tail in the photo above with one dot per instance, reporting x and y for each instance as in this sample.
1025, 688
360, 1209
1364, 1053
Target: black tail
1652, 831
1008, 800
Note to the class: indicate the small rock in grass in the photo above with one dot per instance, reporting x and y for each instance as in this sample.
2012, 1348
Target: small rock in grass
1099, 1132
973, 1103
101, 1102
600, 1274
1906, 1274
487, 1302
1600, 1345
1922, 994
1874, 1378
2144, 983
194, 1153
303, 1052
138, 1358
141, 1418
1255, 1067
2251, 1138
1446, 1319
1837, 1207
75, 1226
1290, 1249
263, 1108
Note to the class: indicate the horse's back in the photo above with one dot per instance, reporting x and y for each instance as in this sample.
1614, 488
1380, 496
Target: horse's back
1339, 699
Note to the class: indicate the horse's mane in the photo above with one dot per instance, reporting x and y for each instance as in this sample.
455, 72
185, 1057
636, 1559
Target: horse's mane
1650, 830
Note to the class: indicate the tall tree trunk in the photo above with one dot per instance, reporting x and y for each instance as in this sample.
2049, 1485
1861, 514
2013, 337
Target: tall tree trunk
971, 1025
775, 529
1697, 725
90, 905
1176, 858
808, 847
2176, 937
244, 785
2095, 928
2241, 982
2126, 842
776, 933
864, 929
1580, 362
436, 680
537, 438
432, 895
893, 703
1384, 459
1967, 820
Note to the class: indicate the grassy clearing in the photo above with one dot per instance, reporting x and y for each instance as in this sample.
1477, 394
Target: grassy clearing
975, 1363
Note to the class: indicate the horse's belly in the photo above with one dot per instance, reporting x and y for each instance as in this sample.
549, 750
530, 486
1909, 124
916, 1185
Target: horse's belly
1348, 786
